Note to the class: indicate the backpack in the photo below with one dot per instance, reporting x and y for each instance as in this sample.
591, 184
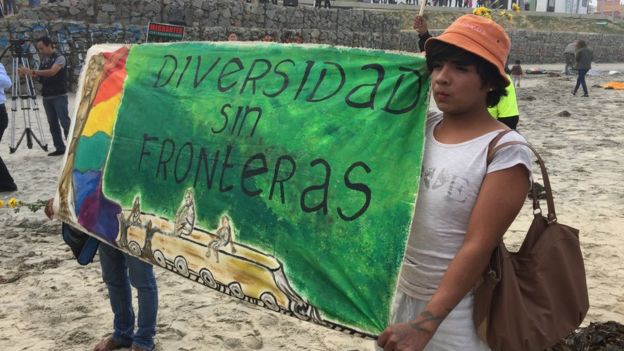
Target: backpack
83, 246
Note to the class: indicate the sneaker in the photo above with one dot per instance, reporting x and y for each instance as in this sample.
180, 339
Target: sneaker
108, 344
57, 153
585, 95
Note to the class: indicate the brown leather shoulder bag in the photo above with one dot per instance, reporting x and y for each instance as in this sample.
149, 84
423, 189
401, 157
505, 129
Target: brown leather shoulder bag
530, 299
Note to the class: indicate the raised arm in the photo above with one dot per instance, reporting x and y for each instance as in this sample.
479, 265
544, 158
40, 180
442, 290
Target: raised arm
420, 24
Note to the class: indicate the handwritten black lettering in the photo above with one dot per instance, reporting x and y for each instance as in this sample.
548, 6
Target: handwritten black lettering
249, 172
160, 160
361, 187
322, 205
239, 64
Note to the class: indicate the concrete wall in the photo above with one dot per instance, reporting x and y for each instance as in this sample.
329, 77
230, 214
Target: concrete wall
540, 47
76, 25
547, 47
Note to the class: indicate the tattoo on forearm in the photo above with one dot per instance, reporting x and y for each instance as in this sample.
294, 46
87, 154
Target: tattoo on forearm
427, 317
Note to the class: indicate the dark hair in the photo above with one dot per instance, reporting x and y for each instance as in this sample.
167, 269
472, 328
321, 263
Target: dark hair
438, 51
45, 40
517, 62
581, 44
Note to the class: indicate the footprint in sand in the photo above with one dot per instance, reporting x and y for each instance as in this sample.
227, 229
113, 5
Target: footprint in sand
268, 320
253, 342
78, 336
171, 333
233, 344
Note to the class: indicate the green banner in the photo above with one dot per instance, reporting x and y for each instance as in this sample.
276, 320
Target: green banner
282, 175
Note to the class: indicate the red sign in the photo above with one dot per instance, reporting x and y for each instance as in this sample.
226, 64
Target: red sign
162, 32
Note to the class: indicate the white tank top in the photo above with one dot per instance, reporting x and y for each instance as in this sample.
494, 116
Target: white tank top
450, 181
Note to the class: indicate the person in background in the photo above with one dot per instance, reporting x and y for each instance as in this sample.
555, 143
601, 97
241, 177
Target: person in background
232, 37
460, 215
5, 83
584, 57
506, 111
317, 4
516, 73
9, 7
568, 54
52, 74
7, 183
297, 39
292, 38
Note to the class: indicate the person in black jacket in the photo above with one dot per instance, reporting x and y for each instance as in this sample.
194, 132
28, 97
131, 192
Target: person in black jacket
52, 74
6, 181
584, 57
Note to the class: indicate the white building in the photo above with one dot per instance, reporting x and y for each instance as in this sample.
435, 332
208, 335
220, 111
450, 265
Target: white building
559, 6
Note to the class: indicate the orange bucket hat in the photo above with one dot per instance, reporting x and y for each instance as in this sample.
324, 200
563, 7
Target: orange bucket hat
480, 36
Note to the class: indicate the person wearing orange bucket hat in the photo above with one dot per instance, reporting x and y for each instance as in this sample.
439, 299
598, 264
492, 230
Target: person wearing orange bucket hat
460, 215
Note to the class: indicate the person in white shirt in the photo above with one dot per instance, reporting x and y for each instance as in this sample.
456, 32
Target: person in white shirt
6, 181
465, 204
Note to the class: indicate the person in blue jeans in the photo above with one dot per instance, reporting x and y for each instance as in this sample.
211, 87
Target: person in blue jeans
9, 7
52, 74
119, 272
584, 57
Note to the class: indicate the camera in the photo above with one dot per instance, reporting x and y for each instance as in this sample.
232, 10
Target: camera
17, 42
18, 46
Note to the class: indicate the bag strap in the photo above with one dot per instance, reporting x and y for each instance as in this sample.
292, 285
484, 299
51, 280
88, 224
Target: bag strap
492, 145
493, 149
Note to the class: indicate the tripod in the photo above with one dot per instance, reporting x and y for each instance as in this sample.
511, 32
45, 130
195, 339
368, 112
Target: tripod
27, 97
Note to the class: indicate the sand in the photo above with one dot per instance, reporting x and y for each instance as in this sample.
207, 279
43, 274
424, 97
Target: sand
49, 302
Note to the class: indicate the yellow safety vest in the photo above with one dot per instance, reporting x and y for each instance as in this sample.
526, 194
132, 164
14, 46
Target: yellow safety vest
507, 106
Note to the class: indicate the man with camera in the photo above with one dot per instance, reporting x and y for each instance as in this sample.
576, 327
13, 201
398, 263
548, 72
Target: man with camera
52, 74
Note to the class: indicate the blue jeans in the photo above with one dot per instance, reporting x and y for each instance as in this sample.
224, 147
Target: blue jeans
119, 270
580, 80
9, 7
57, 113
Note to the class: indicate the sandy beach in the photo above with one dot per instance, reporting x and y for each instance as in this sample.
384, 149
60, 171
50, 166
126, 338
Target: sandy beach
49, 302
